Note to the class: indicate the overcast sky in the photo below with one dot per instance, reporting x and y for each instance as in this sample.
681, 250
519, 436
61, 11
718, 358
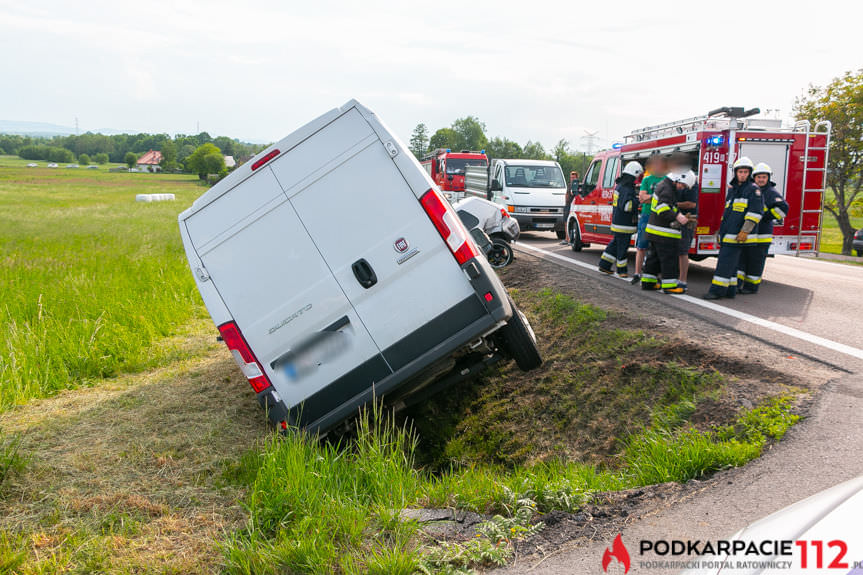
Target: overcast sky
536, 70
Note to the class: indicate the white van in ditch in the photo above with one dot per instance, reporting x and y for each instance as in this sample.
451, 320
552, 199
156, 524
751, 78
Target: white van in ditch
532, 191
337, 273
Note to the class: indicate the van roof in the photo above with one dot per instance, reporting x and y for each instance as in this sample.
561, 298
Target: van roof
530, 162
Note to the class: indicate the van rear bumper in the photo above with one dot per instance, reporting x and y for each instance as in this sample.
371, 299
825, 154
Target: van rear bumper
392, 382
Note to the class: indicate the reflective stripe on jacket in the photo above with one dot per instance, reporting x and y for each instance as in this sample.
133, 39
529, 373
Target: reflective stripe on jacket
624, 206
663, 212
775, 209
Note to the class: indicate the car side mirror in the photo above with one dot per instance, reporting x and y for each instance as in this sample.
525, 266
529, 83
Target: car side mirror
585, 188
495, 185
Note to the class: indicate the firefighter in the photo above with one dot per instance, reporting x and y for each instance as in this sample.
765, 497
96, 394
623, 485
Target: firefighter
743, 212
687, 203
663, 233
624, 206
775, 209
656, 169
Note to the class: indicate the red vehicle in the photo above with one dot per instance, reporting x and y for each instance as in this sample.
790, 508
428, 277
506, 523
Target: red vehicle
446, 168
798, 157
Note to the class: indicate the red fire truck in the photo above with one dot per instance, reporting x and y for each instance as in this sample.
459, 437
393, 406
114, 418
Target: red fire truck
797, 155
446, 168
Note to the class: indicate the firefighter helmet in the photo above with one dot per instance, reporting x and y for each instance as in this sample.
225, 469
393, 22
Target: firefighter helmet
634, 169
686, 178
743, 162
762, 168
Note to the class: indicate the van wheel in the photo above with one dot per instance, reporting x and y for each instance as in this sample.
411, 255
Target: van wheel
575, 238
500, 254
519, 341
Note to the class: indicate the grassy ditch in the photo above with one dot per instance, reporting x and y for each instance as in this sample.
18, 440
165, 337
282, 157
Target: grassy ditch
90, 278
315, 507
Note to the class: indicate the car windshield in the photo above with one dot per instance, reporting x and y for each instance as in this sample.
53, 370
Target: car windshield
457, 165
534, 177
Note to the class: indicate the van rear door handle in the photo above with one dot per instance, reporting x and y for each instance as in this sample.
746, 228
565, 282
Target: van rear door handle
364, 273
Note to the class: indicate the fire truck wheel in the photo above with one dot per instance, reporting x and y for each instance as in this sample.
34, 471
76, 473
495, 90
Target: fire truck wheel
561, 234
500, 255
518, 340
575, 238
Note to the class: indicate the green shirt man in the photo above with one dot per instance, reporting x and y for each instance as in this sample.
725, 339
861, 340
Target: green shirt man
647, 185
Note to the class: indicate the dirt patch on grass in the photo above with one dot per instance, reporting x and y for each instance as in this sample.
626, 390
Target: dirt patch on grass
134, 466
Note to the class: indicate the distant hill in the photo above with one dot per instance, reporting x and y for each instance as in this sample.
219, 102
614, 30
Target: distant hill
47, 130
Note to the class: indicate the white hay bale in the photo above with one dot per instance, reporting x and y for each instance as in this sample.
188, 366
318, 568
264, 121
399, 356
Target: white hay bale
154, 197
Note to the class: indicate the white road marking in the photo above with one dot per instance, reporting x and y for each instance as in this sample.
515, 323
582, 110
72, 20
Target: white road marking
778, 327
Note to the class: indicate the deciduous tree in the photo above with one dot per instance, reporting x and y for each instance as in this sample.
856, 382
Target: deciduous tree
840, 102
130, 159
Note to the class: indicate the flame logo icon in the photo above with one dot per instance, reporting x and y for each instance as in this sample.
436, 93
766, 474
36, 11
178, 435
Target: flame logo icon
619, 552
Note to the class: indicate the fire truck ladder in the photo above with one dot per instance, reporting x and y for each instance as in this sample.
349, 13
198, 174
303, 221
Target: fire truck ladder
821, 127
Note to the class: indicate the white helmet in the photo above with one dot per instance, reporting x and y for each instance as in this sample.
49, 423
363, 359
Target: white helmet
762, 168
634, 169
743, 162
686, 178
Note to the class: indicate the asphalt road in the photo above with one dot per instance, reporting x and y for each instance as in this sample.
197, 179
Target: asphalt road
821, 299
805, 307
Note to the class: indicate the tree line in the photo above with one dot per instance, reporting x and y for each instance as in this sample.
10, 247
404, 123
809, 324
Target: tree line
178, 152
469, 133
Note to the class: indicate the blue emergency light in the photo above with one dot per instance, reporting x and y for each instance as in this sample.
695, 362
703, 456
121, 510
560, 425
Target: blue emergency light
617, 145
715, 140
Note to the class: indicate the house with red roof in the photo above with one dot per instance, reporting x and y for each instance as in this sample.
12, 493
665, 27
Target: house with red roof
149, 162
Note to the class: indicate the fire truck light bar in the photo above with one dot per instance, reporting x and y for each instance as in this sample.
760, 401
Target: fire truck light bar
715, 140
784, 140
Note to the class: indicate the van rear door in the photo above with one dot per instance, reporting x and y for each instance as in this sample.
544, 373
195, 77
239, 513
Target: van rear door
285, 300
374, 234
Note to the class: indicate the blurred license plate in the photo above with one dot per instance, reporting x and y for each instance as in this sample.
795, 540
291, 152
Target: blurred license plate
545, 225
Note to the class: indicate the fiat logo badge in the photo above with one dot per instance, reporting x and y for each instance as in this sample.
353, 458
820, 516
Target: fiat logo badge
401, 245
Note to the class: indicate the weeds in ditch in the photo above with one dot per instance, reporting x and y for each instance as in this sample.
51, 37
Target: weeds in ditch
317, 508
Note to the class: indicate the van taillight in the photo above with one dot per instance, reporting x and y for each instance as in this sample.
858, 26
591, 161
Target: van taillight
265, 159
449, 227
249, 364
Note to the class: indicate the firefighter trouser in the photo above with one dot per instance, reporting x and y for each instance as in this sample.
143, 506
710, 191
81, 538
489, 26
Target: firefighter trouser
751, 267
662, 260
724, 282
614, 256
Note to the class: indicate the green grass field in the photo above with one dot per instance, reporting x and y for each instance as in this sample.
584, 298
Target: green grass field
831, 237
90, 278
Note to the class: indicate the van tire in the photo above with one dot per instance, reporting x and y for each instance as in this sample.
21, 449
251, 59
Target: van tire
518, 340
575, 238
500, 255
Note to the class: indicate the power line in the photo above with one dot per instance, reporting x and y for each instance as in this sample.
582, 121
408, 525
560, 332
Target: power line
590, 137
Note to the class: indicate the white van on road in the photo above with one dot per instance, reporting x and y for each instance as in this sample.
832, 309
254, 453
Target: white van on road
532, 191
337, 273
